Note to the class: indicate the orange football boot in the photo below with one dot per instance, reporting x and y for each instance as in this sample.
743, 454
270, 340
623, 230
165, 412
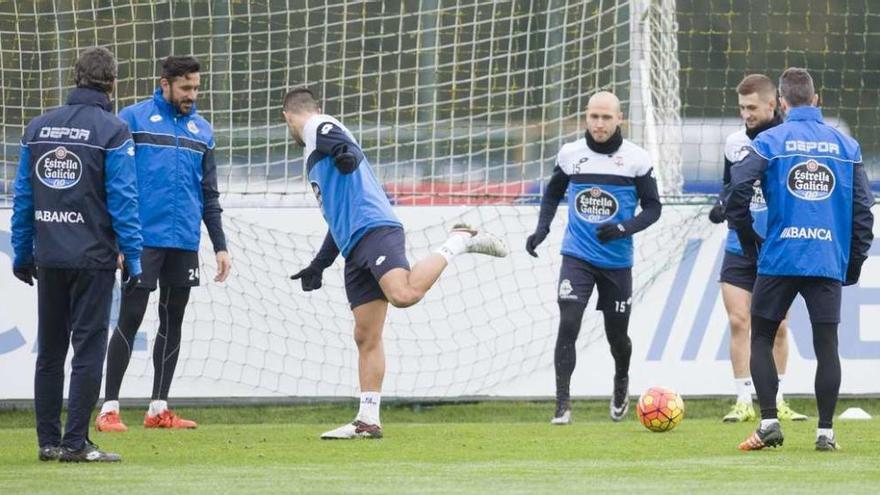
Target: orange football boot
167, 419
110, 421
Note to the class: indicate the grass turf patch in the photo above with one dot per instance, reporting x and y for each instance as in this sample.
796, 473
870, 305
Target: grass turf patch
465, 448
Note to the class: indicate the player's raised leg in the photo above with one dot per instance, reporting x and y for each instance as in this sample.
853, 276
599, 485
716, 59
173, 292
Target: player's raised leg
403, 288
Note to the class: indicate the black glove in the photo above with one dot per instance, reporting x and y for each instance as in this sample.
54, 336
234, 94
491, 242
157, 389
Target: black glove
534, 240
750, 242
130, 282
610, 232
25, 273
310, 277
716, 214
853, 271
346, 162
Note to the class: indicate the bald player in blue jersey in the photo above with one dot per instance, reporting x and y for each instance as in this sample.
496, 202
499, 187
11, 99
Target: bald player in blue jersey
365, 230
819, 232
605, 178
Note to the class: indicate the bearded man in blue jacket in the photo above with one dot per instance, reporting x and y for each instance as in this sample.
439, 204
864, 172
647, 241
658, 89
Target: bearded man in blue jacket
177, 181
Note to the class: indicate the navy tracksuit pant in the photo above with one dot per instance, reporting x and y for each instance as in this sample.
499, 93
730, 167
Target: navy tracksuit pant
73, 309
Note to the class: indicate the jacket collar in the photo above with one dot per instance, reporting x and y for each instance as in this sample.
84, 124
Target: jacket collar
805, 113
168, 108
753, 133
90, 96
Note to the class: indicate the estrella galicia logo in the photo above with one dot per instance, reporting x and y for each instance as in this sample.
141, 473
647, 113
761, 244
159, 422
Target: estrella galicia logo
59, 168
758, 202
317, 190
811, 180
596, 205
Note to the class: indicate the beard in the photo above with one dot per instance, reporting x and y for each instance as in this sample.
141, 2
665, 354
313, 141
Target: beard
179, 104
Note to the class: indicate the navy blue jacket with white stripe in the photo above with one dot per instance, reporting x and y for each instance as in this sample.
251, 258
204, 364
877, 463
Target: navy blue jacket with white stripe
76, 201
819, 200
177, 175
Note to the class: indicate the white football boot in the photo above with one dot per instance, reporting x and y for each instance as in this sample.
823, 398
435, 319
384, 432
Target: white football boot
482, 242
355, 429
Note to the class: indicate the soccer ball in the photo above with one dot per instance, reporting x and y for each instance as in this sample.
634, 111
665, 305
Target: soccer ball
660, 409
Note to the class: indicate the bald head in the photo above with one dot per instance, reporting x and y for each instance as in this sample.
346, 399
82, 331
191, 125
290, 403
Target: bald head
604, 100
603, 116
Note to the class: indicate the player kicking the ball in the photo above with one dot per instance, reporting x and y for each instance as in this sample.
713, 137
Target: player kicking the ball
363, 227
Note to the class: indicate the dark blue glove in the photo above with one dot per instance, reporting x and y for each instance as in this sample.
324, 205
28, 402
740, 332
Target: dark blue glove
716, 214
310, 277
611, 231
25, 273
750, 241
346, 162
853, 271
534, 240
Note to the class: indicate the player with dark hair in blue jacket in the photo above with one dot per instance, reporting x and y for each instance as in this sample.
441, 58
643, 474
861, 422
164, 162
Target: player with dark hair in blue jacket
75, 207
605, 177
177, 180
819, 231
364, 228
758, 107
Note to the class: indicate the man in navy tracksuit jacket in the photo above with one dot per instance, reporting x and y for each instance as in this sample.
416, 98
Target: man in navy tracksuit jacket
819, 231
177, 180
75, 201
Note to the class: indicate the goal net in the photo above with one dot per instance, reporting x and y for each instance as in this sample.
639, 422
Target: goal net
453, 102
461, 107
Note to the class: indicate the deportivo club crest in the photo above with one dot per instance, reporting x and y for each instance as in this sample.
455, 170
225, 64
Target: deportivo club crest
596, 205
811, 180
59, 168
193, 128
758, 202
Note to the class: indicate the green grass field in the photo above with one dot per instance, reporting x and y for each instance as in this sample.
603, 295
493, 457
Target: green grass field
500, 447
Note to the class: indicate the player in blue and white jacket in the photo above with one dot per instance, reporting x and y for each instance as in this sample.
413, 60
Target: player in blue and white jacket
75, 208
363, 227
177, 180
819, 231
759, 110
605, 178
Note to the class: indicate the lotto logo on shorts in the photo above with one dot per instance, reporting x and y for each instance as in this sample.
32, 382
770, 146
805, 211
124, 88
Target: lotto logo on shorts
811, 180
596, 205
565, 290
59, 168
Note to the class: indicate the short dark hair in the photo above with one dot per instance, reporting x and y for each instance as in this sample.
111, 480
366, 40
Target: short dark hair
95, 68
300, 99
796, 86
756, 83
179, 66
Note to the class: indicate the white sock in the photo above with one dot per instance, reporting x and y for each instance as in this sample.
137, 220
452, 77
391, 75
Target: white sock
369, 409
743, 389
765, 423
110, 406
455, 245
828, 432
779, 397
157, 407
